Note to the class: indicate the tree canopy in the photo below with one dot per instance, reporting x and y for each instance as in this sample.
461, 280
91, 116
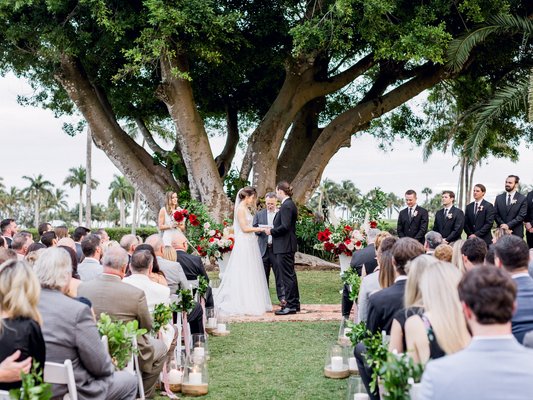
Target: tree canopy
299, 77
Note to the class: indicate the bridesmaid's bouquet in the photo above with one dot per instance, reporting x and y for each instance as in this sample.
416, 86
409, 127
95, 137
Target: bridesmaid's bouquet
181, 215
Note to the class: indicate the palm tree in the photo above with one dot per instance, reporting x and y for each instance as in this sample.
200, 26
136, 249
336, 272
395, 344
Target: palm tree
427, 191
121, 191
38, 188
78, 177
56, 203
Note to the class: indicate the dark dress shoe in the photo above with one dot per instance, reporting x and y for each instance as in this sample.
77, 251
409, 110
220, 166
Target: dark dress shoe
283, 303
286, 311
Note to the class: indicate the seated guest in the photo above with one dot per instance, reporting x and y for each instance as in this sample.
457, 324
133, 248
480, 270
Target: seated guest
141, 265
79, 233
173, 271
498, 233
412, 300
124, 302
20, 319
49, 239
75, 281
44, 227
385, 303
104, 237
20, 244
155, 274
192, 265
512, 254
7, 254
3, 243
10, 368
61, 232
70, 333
474, 251
443, 252
8, 229
90, 267
371, 283
168, 252
441, 328
494, 365
432, 240
457, 256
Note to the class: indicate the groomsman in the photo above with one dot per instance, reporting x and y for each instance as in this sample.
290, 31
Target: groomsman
413, 220
266, 217
449, 220
479, 216
529, 219
511, 207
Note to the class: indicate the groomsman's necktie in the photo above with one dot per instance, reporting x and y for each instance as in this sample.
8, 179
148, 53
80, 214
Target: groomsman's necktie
509, 200
410, 213
475, 208
445, 212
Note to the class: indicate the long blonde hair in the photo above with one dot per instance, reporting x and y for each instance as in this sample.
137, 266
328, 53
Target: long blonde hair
169, 253
19, 291
457, 256
415, 269
168, 200
438, 286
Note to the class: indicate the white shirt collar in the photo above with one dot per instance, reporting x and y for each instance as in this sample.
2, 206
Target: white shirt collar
510, 193
519, 275
283, 201
497, 337
400, 278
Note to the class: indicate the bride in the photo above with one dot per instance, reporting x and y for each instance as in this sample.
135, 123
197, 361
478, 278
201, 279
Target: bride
244, 289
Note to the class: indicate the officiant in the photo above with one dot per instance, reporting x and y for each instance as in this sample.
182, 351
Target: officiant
264, 218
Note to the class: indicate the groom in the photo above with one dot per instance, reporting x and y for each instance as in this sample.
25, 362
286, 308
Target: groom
284, 246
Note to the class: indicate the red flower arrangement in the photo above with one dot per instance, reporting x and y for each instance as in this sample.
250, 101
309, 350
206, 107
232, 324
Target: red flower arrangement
341, 240
182, 214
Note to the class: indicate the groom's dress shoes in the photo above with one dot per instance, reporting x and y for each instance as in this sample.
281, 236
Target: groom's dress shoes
286, 311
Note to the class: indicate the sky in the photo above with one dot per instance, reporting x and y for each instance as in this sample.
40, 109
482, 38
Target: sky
33, 143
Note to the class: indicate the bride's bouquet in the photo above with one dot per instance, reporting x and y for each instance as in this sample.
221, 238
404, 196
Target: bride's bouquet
342, 239
215, 241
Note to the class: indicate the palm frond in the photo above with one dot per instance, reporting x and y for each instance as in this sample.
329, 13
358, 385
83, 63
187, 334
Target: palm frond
459, 49
530, 97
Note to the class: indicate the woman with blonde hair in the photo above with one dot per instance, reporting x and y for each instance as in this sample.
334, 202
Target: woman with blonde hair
20, 319
412, 300
165, 221
169, 253
457, 256
441, 329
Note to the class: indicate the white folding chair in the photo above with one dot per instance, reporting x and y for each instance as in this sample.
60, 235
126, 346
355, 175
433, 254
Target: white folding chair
105, 341
4, 395
61, 374
135, 369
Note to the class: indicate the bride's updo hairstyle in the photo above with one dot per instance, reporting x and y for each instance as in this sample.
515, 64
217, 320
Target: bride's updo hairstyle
247, 191
285, 187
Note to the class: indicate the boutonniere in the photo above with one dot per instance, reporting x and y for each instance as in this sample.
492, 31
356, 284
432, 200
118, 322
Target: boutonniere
480, 208
415, 213
513, 201
450, 216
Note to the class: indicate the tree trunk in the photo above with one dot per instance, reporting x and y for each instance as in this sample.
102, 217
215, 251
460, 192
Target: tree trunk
36, 216
225, 158
340, 130
80, 207
88, 180
122, 213
134, 212
152, 180
461, 183
470, 183
177, 94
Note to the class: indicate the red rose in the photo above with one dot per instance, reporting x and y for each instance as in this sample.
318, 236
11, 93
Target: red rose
178, 216
358, 243
347, 241
193, 219
373, 224
211, 239
347, 228
328, 246
341, 248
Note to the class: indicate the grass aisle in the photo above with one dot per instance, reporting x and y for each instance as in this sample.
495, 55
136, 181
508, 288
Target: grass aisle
273, 361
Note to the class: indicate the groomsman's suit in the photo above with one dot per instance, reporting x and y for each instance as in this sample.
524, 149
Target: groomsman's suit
513, 214
480, 223
414, 227
284, 246
450, 226
529, 218
264, 217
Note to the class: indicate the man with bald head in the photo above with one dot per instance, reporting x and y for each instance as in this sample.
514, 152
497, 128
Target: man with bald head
124, 302
192, 265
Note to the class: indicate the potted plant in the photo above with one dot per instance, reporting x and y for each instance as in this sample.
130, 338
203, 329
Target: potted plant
399, 373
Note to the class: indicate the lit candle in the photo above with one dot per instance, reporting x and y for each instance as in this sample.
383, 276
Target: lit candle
199, 351
174, 377
336, 363
352, 363
212, 322
221, 328
195, 378
360, 396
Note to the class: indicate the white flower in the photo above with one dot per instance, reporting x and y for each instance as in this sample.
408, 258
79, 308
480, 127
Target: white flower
415, 213
350, 246
217, 254
357, 235
514, 201
207, 225
212, 232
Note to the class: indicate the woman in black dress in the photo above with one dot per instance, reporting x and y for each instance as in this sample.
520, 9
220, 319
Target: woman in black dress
19, 318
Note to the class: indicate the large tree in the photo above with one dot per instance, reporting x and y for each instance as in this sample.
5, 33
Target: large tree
302, 76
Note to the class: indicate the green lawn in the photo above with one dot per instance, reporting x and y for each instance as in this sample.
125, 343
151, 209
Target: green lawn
273, 361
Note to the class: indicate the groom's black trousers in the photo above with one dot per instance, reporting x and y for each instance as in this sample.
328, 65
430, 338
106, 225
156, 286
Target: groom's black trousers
269, 261
285, 265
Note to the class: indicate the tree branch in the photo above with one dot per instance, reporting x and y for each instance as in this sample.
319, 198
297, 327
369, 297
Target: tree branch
149, 138
225, 158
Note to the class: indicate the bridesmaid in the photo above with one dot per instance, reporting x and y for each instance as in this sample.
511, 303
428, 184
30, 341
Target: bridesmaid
166, 223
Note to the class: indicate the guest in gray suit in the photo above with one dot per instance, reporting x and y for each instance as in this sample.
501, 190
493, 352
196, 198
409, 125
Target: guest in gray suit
70, 333
494, 365
90, 267
512, 254
266, 217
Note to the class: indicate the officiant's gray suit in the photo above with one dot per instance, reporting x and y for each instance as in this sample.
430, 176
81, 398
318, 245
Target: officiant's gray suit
267, 253
488, 369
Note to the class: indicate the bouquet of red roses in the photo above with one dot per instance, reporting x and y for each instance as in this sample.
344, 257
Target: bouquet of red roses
181, 215
342, 239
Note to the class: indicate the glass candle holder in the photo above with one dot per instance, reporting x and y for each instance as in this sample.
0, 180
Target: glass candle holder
195, 378
200, 349
223, 328
356, 390
343, 339
211, 319
336, 363
175, 376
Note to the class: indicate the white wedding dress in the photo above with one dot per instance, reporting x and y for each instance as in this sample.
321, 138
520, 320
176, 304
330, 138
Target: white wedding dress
244, 289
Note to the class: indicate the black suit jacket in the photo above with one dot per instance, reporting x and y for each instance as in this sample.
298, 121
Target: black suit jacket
480, 224
261, 218
284, 231
383, 305
192, 265
529, 202
450, 227
514, 215
366, 257
417, 227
